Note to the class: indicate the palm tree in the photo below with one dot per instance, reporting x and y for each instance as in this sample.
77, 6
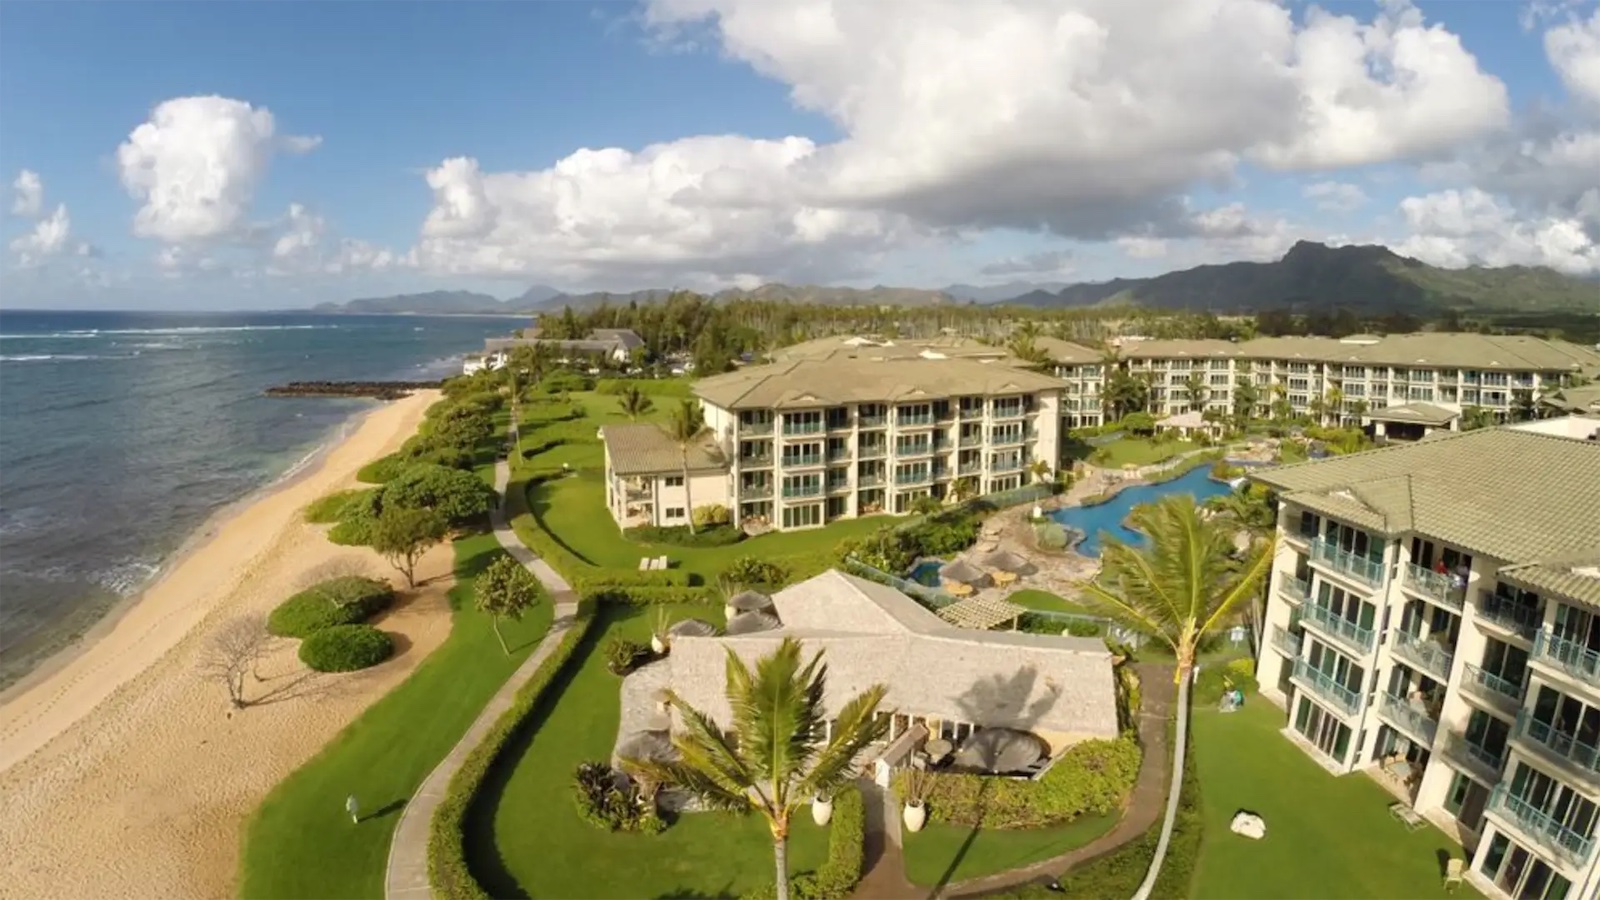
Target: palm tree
1335, 404
1475, 417
963, 489
1197, 389
772, 759
1245, 398
1180, 588
684, 427
635, 402
1040, 470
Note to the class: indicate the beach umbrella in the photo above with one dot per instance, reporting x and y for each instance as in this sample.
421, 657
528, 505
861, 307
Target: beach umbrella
962, 572
1006, 561
752, 623
1000, 750
692, 628
746, 601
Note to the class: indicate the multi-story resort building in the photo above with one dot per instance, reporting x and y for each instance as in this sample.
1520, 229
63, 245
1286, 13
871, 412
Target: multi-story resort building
1432, 373
840, 434
1434, 620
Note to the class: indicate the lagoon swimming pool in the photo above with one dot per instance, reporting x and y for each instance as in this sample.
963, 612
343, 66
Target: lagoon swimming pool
926, 572
1108, 516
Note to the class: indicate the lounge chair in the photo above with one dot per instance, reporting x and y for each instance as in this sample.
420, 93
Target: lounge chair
1455, 872
645, 563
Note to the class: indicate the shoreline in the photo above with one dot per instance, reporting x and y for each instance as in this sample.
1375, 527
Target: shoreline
67, 648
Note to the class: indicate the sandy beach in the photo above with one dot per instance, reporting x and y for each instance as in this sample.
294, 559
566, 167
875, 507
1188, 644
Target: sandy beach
124, 771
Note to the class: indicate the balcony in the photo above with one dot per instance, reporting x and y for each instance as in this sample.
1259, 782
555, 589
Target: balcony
1442, 589
1346, 563
1007, 465
1410, 717
792, 491
838, 485
755, 462
839, 455
969, 468
1476, 758
904, 478
755, 491
1490, 688
1425, 654
1581, 758
1323, 686
632, 492
802, 460
905, 420
1297, 590
1503, 614
755, 429
971, 440
1008, 412
872, 421
1006, 438
920, 448
1570, 657
839, 424
1346, 632
873, 451
1533, 823
1285, 641
867, 481
802, 427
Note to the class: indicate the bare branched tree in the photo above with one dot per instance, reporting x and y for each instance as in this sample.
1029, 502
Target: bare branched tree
341, 567
233, 653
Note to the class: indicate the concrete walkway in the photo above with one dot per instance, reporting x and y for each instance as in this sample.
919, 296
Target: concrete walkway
406, 877
883, 862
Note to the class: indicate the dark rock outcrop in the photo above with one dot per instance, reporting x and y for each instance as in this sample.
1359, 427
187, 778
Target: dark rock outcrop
375, 390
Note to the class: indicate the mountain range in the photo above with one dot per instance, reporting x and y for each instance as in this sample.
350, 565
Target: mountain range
1310, 276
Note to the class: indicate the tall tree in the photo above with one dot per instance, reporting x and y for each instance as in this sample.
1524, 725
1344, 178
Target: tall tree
1198, 391
402, 534
505, 590
684, 426
773, 758
1522, 406
1040, 470
1178, 589
1245, 398
1335, 404
634, 402
1475, 417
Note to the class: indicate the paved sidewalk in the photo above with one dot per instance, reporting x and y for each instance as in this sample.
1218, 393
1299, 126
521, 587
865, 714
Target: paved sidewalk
885, 875
406, 877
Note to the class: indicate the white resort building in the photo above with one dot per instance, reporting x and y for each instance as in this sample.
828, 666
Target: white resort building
614, 344
840, 434
1434, 620
944, 683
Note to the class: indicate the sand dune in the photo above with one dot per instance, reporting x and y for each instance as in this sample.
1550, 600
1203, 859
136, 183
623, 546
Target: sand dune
124, 771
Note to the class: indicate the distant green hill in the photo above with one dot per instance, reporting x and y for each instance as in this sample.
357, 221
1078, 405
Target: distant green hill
1314, 276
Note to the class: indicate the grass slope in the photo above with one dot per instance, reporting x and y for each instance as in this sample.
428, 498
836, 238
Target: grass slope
525, 839
944, 853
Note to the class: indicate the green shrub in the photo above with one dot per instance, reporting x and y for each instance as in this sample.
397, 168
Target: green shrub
337, 601
838, 875
680, 535
564, 381
448, 872
1214, 678
1091, 777
381, 470
755, 572
610, 808
457, 495
345, 648
1051, 535
623, 655
339, 506
710, 515
647, 595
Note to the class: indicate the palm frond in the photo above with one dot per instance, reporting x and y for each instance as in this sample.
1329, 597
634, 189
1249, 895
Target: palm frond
777, 714
856, 727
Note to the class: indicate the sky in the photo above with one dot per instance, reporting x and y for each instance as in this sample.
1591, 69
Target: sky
274, 154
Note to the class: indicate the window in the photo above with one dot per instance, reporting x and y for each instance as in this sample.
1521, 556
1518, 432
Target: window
802, 516
674, 512
1466, 800
672, 481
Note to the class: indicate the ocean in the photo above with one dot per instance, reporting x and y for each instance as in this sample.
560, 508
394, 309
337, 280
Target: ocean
122, 433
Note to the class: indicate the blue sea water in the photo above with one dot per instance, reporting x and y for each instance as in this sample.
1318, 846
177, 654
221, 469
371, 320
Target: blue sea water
121, 433
1109, 516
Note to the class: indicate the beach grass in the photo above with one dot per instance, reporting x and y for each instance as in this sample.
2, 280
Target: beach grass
941, 853
524, 837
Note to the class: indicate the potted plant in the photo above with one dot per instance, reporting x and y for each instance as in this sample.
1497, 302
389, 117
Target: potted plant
914, 788
661, 632
822, 808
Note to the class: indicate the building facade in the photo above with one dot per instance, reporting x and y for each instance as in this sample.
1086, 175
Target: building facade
1434, 620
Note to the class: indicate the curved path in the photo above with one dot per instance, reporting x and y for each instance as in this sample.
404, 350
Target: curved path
886, 875
406, 876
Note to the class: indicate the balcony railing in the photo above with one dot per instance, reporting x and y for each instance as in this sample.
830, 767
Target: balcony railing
839, 424
836, 485
1424, 653
752, 429
1445, 589
873, 451
1285, 641
755, 462
1555, 837
969, 468
872, 421
922, 448
1570, 656
1340, 560
903, 478
1583, 757
1296, 589
755, 491
802, 427
802, 490
1009, 412
971, 440
867, 481
1003, 438
1339, 696
1490, 687
1513, 617
839, 455
1006, 465
1411, 719
802, 459
1345, 631
905, 420
1485, 762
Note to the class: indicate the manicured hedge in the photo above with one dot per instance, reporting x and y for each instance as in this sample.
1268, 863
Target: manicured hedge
838, 875
337, 601
648, 595
338, 506
681, 536
382, 470
448, 872
1091, 777
346, 648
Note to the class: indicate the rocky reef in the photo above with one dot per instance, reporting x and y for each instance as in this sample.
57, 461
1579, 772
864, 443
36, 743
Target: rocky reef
372, 390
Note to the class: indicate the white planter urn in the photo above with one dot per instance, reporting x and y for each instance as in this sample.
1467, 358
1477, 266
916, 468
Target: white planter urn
822, 810
915, 816
657, 644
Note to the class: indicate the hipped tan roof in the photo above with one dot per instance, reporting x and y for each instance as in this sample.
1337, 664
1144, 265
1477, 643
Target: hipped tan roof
1420, 413
1574, 399
1440, 349
865, 347
837, 381
638, 448
1517, 496
1575, 576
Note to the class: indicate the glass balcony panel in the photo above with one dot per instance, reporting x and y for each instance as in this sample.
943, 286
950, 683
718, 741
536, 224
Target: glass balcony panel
802, 459
1340, 560
1548, 833
1570, 656
1411, 717
755, 428
1425, 653
1286, 642
1323, 686
802, 427
1447, 589
1469, 754
1362, 640
1489, 686
802, 490
1513, 617
1581, 756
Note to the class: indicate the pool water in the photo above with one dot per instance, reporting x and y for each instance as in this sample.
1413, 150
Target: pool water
1109, 516
926, 572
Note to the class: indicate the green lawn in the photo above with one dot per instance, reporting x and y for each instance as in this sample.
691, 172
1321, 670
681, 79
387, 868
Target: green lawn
942, 853
1326, 837
524, 837
1047, 602
1142, 451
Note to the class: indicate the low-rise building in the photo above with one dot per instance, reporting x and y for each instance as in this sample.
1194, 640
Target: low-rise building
614, 344
651, 480
1434, 620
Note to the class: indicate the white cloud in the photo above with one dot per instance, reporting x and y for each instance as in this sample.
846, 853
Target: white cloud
195, 166
27, 194
50, 236
1471, 227
1336, 196
305, 245
1047, 262
1086, 118
1574, 51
